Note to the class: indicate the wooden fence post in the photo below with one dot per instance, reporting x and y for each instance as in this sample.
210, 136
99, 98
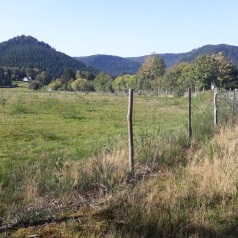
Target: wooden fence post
189, 113
215, 107
130, 131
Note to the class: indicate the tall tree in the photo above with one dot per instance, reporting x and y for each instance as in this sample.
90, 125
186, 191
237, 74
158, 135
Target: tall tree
180, 77
224, 68
5, 77
67, 77
214, 67
152, 68
205, 70
44, 77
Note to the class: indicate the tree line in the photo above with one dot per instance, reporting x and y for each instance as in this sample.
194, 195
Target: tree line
9, 75
153, 75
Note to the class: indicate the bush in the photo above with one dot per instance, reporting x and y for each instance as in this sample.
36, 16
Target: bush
179, 92
35, 85
82, 85
56, 85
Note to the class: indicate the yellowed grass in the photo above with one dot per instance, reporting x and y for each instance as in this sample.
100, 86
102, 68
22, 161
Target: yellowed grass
199, 194
117, 158
205, 177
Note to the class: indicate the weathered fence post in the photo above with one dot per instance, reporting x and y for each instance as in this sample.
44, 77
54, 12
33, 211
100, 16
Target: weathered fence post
130, 131
189, 113
215, 107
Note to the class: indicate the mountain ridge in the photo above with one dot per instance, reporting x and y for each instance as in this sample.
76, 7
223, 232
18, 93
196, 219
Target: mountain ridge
28, 52
170, 59
110, 63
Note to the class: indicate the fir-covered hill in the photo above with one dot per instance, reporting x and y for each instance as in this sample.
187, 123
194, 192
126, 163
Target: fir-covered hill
230, 51
110, 64
28, 52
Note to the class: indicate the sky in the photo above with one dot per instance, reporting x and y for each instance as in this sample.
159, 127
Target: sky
126, 28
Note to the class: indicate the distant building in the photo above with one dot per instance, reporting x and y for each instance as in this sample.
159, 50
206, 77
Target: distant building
27, 79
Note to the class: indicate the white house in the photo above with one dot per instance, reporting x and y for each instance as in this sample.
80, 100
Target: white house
27, 79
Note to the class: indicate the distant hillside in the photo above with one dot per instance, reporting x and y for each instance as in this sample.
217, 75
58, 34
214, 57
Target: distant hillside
139, 59
231, 52
169, 58
28, 52
110, 64
116, 65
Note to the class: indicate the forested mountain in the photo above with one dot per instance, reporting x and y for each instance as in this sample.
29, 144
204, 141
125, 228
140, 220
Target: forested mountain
28, 52
116, 65
110, 64
231, 52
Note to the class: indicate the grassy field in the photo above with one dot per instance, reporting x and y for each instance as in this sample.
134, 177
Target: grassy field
64, 159
77, 126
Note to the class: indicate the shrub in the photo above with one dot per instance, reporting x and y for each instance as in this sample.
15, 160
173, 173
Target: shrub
35, 85
56, 85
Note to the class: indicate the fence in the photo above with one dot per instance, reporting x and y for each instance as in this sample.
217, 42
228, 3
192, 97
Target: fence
76, 126
226, 105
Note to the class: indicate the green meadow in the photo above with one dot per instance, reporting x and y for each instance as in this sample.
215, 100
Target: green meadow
64, 164
77, 126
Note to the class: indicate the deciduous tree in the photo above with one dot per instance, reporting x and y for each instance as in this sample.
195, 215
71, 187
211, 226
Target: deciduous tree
103, 82
224, 68
181, 77
152, 68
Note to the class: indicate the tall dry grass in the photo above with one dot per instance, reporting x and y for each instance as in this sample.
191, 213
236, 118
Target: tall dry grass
199, 199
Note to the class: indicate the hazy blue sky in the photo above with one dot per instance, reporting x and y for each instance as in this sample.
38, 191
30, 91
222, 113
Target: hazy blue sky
121, 27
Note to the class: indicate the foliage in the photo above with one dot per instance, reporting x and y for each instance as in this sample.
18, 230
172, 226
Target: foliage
44, 77
103, 83
224, 68
35, 84
204, 69
84, 74
124, 82
202, 72
5, 77
55, 85
67, 77
83, 85
17, 74
180, 76
107, 62
152, 68
165, 82
213, 68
